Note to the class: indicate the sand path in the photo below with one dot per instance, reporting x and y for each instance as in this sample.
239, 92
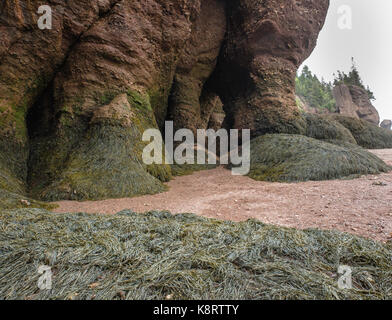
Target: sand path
362, 206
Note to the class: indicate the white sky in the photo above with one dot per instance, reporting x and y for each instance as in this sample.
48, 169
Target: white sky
369, 42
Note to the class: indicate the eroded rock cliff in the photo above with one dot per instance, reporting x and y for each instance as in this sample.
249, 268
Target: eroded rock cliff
353, 101
266, 43
60, 79
74, 100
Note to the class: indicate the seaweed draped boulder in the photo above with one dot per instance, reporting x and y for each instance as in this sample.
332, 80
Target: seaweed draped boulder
106, 159
292, 158
366, 134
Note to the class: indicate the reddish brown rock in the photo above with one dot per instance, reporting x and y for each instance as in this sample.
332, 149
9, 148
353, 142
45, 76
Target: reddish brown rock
353, 101
104, 73
29, 59
191, 104
266, 43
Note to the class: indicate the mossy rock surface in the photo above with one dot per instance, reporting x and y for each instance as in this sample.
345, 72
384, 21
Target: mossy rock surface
13, 165
103, 166
150, 256
322, 128
367, 135
8, 180
292, 158
105, 160
10, 200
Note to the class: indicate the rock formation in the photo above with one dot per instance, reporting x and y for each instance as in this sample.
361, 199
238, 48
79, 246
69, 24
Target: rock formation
98, 53
265, 45
353, 101
74, 100
386, 124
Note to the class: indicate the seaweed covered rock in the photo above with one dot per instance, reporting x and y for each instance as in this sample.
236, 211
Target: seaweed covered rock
95, 51
10, 200
192, 165
291, 158
29, 59
327, 129
107, 159
367, 135
186, 169
13, 169
150, 256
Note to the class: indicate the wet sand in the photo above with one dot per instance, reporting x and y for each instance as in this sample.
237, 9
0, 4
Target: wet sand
362, 206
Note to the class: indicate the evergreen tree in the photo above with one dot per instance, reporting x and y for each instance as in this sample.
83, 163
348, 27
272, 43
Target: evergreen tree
352, 78
318, 94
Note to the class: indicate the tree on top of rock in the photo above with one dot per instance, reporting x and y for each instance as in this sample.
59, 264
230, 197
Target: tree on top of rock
352, 78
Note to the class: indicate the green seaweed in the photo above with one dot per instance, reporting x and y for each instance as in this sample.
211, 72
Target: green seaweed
292, 158
10, 200
154, 255
188, 169
367, 135
105, 164
103, 158
321, 128
13, 165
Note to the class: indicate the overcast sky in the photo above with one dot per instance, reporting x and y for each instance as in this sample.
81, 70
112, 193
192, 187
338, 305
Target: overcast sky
369, 42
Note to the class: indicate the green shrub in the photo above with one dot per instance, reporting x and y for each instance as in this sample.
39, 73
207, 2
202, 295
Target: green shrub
318, 94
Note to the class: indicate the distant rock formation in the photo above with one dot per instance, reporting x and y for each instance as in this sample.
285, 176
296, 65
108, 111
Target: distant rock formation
386, 124
353, 101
